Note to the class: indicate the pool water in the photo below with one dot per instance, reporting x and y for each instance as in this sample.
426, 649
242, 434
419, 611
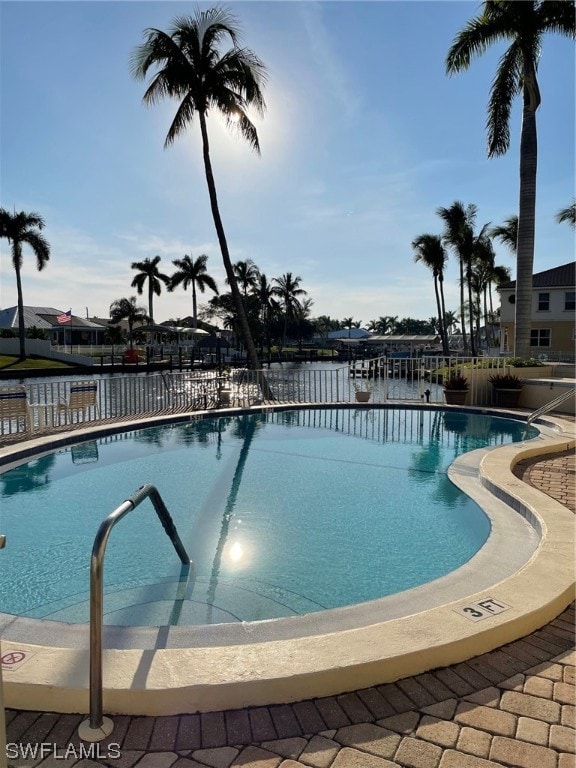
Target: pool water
282, 513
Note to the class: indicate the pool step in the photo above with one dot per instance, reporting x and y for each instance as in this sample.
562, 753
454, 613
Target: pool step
172, 603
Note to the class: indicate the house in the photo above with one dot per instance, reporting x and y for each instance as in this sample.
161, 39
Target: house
553, 307
75, 331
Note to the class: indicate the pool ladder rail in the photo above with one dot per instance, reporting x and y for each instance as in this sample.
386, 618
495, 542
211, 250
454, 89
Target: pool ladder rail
98, 727
547, 407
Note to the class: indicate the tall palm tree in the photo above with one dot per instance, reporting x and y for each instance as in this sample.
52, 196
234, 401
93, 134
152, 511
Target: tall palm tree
264, 292
507, 233
148, 272
567, 214
246, 273
128, 309
430, 251
288, 291
24, 229
523, 24
191, 68
458, 228
450, 321
348, 322
191, 271
482, 276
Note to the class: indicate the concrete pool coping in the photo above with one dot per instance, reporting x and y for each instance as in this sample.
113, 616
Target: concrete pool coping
292, 668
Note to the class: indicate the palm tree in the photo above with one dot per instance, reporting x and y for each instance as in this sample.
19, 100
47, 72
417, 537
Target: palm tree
482, 276
507, 233
191, 68
288, 291
246, 273
458, 222
524, 24
24, 229
429, 250
264, 292
450, 322
192, 272
148, 272
388, 324
348, 322
113, 335
128, 309
567, 214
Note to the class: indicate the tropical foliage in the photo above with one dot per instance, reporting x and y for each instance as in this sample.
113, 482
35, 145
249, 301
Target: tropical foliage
567, 214
190, 66
523, 24
22, 229
192, 272
128, 309
148, 272
429, 250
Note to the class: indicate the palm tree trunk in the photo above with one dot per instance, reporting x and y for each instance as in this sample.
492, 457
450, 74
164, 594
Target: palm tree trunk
194, 307
439, 310
254, 363
462, 320
444, 330
150, 300
21, 326
471, 308
526, 225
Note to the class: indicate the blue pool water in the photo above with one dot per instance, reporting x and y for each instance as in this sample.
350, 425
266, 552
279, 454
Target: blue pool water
282, 513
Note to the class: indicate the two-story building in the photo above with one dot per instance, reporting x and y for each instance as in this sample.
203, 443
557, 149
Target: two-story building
553, 312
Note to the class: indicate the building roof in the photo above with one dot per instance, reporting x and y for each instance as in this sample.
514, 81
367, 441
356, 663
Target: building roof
406, 339
348, 333
42, 317
563, 276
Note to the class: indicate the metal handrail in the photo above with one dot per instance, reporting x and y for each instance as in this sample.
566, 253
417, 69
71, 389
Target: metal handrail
547, 407
93, 728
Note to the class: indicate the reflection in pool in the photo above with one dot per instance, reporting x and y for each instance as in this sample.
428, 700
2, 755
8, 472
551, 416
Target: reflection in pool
283, 513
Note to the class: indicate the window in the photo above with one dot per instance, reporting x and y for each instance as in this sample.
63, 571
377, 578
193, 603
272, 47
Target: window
540, 337
543, 302
570, 300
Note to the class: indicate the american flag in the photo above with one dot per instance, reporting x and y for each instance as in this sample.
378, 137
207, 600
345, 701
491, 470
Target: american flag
65, 317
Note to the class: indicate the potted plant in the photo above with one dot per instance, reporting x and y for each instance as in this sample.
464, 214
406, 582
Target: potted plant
363, 391
455, 389
507, 387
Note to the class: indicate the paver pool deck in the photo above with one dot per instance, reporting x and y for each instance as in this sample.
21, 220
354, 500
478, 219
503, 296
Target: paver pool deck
514, 706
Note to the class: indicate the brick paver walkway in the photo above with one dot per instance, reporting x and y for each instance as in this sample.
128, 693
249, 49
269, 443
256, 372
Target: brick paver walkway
555, 476
512, 707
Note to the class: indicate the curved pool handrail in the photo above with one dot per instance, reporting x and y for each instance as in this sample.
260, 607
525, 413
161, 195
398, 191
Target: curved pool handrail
95, 728
549, 406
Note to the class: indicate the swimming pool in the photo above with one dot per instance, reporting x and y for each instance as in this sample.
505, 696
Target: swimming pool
283, 513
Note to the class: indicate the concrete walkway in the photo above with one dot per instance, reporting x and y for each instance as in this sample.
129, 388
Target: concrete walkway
514, 706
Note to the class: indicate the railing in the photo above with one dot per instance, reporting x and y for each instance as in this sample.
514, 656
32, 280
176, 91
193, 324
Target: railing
550, 406
97, 727
389, 379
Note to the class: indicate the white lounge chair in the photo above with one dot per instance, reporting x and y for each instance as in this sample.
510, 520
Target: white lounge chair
15, 410
83, 398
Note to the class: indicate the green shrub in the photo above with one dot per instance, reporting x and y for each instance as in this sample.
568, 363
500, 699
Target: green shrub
518, 362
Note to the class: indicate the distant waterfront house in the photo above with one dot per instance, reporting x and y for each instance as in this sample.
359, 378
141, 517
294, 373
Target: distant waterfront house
77, 331
553, 312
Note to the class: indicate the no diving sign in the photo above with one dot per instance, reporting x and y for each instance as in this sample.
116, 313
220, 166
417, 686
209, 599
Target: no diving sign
12, 660
483, 609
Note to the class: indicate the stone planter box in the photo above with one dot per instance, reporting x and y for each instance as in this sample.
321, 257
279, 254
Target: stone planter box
455, 396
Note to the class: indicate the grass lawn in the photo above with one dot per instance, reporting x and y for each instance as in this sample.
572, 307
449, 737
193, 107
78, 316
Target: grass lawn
11, 361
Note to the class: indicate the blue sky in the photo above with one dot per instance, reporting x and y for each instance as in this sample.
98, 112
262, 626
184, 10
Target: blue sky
363, 138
